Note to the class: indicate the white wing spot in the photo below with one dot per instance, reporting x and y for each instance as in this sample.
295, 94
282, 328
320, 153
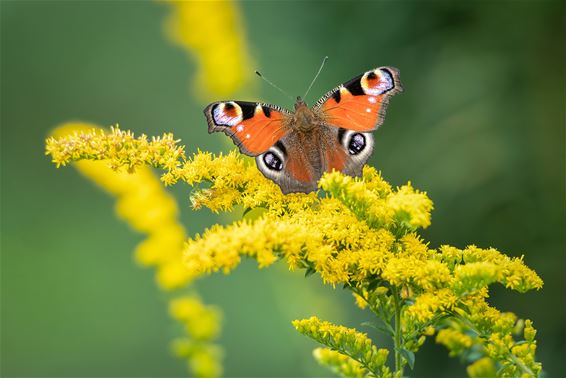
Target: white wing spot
384, 83
368, 110
372, 99
240, 128
223, 119
248, 136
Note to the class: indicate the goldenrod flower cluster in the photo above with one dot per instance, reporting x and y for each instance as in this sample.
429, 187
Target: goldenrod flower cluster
360, 233
202, 324
212, 32
339, 363
356, 357
115, 162
120, 148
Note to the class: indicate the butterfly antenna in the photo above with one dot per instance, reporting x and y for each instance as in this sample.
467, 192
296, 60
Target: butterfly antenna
273, 85
315, 77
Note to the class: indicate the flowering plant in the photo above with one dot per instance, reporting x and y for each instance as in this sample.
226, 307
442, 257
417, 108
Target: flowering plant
359, 233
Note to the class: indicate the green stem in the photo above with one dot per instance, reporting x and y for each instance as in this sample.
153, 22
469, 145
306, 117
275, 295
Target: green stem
524, 368
397, 337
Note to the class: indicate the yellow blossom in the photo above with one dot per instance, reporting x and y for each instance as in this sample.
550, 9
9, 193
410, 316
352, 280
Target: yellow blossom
339, 363
141, 199
529, 331
213, 33
202, 322
429, 304
347, 342
411, 206
144, 204
361, 302
482, 368
454, 340
203, 359
358, 232
120, 148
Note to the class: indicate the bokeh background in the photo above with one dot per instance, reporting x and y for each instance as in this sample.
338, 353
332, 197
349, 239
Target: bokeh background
480, 127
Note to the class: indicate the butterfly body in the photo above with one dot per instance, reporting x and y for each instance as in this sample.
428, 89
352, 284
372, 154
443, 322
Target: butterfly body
304, 119
295, 148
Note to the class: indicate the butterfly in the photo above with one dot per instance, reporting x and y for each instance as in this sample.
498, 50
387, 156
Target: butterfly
295, 148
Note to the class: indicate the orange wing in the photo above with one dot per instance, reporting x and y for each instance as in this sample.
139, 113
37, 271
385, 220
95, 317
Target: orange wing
253, 126
360, 103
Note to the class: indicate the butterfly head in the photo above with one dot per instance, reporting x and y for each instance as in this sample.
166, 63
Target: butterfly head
300, 103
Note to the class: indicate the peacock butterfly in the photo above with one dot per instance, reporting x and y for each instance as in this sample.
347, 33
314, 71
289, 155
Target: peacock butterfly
295, 148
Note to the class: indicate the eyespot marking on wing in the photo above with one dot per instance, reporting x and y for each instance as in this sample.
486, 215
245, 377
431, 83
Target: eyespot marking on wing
227, 114
377, 82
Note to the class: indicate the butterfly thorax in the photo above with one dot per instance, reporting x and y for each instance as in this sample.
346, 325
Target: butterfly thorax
304, 119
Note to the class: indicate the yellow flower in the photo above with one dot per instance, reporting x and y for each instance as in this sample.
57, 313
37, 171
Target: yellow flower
411, 206
512, 272
213, 33
482, 368
339, 363
140, 198
203, 359
429, 304
529, 331
454, 340
346, 341
359, 232
202, 322
144, 204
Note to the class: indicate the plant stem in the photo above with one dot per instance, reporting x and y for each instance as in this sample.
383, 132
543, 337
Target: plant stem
521, 365
397, 337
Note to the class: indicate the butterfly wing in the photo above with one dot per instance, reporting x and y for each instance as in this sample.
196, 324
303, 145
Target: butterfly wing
360, 103
254, 127
350, 112
342, 140
263, 131
289, 163
345, 150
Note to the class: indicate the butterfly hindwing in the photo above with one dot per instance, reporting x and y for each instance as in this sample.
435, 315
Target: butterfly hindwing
254, 127
360, 103
289, 163
345, 150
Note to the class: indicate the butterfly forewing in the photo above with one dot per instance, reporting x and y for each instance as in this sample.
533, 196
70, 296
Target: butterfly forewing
253, 126
360, 103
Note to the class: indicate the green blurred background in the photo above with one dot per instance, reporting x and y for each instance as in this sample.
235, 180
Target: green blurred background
480, 127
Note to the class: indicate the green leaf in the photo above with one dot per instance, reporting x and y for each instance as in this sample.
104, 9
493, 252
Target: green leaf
373, 285
381, 326
310, 271
408, 356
